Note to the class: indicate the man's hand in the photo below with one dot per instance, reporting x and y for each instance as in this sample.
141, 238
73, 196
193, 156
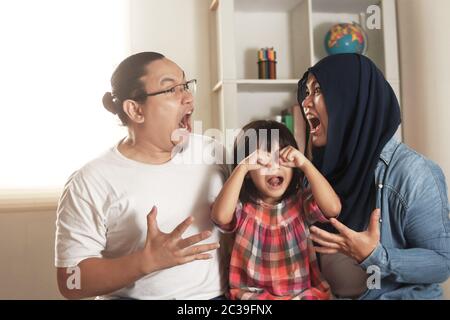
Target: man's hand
357, 245
165, 250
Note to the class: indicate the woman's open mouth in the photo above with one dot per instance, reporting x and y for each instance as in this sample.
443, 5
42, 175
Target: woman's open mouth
275, 182
314, 124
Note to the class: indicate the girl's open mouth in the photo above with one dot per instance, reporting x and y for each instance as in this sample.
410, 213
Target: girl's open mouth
275, 181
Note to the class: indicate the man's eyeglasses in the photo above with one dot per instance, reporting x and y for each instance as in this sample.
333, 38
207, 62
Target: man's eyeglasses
190, 87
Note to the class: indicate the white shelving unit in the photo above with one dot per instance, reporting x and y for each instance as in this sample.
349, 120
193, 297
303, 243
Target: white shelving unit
296, 29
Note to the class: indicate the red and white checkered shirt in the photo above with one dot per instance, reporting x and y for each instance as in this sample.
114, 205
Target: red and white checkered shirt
273, 257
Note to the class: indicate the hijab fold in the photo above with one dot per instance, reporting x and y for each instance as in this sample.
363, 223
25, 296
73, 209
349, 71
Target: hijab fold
363, 115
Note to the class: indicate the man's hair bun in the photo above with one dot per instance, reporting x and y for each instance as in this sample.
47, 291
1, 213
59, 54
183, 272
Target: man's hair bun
110, 102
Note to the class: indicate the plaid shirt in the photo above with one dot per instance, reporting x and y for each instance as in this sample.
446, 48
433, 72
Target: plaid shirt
273, 257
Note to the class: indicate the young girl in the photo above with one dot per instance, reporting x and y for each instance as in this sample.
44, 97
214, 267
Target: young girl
264, 203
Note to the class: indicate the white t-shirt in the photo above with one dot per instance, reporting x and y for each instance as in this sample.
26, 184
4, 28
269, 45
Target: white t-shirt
103, 213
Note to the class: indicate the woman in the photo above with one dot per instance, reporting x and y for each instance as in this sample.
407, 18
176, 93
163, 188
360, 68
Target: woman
107, 243
404, 248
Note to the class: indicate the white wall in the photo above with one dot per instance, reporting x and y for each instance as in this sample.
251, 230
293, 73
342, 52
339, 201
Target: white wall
180, 31
425, 72
27, 254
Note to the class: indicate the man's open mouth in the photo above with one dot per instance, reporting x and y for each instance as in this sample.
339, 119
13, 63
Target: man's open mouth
185, 122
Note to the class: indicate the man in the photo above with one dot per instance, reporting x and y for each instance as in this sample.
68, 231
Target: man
105, 233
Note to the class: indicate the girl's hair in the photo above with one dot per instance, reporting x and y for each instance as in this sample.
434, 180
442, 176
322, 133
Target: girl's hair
242, 149
126, 83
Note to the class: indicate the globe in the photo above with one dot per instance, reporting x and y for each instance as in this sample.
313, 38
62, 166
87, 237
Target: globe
346, 38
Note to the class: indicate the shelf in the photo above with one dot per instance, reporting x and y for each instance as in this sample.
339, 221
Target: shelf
296, 29
285, 27
256, 82
342, 6
267, 82
261, 103
331, 6
266, 5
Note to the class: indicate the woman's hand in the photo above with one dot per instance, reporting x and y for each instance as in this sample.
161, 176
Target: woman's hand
165, 250
292, 158
357, 245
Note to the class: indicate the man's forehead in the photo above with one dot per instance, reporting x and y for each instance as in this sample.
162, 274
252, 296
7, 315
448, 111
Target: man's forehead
165, 78
164, 71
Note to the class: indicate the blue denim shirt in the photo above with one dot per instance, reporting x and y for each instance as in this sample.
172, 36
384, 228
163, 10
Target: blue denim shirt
413, 256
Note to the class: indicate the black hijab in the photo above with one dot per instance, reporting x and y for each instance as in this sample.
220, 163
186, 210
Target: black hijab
363, 115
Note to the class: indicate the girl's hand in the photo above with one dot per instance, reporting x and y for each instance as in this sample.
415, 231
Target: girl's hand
292, 158
257, 160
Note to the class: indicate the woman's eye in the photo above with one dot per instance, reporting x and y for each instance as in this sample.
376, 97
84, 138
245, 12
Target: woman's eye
317, 90
306, 93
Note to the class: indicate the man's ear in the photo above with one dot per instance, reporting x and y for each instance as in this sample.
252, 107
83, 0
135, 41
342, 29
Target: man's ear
133, 111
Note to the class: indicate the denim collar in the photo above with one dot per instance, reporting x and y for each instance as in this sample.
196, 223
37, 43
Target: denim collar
388, 150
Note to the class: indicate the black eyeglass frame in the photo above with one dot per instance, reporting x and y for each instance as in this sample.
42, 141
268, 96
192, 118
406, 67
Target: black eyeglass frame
172, 89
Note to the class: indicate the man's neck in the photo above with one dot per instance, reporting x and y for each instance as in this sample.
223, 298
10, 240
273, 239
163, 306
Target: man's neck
143, 151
